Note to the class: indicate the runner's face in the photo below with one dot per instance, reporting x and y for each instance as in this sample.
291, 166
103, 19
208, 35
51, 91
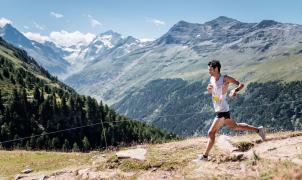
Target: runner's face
211, 70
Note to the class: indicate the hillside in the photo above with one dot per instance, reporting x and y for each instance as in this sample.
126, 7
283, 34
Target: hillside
186, 108
39, 112
233, 157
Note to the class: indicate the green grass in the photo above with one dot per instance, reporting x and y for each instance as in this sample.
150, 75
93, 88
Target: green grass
279, 68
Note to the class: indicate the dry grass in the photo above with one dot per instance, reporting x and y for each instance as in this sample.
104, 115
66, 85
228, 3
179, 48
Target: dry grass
13, 162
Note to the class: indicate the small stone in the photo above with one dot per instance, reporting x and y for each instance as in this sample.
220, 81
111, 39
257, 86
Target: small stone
27, 171
153, 169
18, 176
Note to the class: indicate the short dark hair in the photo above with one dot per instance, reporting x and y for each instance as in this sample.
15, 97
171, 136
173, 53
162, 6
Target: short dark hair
215, 64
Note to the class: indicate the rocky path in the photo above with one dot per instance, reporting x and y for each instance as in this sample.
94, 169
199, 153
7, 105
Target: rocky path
226, 162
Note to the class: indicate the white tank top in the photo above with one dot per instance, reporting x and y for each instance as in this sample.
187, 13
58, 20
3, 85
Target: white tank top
219, 100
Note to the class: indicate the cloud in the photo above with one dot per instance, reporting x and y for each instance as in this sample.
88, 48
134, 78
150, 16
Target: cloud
36, 37
93, 22
4, 21
56, 15
25, 27
38, 26
64, 38
157, 22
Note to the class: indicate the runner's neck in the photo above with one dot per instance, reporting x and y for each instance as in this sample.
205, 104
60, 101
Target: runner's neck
217, 76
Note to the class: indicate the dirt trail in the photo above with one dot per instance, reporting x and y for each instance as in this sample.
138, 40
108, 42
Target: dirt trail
228, 162
283, 149
277, 149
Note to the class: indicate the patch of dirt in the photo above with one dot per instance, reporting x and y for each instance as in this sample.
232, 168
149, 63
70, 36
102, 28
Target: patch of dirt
283, 149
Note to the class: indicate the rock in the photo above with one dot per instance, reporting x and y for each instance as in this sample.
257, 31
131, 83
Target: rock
18, 176
153, 169
27, 171
138, 153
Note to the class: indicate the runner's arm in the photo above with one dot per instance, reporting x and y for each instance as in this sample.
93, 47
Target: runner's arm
230, 79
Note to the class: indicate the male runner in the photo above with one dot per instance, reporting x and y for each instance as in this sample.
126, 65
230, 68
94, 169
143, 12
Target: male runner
218, 87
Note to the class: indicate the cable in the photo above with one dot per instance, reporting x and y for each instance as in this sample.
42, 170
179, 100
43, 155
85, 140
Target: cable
54, 132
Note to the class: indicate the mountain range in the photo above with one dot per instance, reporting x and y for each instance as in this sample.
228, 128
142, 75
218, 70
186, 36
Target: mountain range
126, 73
184, 51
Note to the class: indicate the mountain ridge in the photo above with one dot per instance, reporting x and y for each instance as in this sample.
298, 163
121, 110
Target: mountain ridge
188, 51
47, 54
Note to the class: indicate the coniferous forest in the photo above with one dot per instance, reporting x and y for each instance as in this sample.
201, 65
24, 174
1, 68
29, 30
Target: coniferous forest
276, 105
39, 112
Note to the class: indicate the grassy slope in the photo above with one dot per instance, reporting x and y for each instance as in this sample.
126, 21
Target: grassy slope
277, 64
7, 51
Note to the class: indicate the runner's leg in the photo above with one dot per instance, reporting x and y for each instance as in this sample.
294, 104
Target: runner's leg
211, 134
239, 126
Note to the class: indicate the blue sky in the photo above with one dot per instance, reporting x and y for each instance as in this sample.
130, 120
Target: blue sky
143, 19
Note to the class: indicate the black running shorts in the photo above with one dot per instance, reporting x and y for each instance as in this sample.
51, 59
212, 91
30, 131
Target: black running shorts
225, 115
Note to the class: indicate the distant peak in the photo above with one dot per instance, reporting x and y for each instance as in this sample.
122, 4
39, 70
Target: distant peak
222, 20
267, 23
183, 22
110, 32
9, 26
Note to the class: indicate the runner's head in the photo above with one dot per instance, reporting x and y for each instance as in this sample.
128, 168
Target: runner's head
214, 67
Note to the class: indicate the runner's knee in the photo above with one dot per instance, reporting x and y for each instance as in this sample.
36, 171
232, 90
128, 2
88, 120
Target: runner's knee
233, 126
211, 134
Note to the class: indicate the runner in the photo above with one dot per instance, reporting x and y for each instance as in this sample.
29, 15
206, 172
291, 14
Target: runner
218, 87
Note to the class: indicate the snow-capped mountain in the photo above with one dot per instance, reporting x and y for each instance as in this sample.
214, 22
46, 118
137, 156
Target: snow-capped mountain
107, 45
47, 54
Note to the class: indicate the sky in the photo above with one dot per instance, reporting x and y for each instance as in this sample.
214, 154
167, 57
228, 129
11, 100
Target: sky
67, 22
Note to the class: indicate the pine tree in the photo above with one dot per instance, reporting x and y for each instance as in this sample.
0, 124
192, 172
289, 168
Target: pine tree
65, 146
37, 95
55, 143
1, 104
86, 144
75, 147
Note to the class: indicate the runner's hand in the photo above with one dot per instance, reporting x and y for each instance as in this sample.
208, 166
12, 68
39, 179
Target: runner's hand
233, 93
210, 88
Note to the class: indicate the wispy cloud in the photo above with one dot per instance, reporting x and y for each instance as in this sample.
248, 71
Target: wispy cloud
65, 38
36, 37
155, 22
93, 22
56, 15
38, 26
4, 21
25, 27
